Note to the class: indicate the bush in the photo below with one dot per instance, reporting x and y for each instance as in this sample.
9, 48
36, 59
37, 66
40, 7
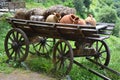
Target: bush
116, 31
107, 15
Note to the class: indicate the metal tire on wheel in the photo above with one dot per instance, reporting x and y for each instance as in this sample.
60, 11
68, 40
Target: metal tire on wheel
102, 52
16, 45
63, 57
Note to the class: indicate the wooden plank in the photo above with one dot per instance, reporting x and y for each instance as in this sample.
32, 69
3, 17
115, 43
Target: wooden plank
98, 27
100, 38
105, 32
109, 28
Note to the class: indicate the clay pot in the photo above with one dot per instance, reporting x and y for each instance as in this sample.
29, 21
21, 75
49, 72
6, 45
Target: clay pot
81, 22
69, 19
90, 20
53, 18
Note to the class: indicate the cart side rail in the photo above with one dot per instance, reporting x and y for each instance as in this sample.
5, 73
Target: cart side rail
60, 30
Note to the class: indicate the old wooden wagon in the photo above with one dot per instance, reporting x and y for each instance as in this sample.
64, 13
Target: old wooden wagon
88, 41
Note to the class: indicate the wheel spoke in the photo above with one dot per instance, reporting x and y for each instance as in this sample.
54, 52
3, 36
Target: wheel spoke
61, 46
65, 47
102, 52
40, 47
97, 46
18, 54
10, 49
43, 49
9, 43
100, 60
57, 61
49, 40
20, 39
37, 44
15, 58
12, 53
103, 58
11, 39
46, 49
21, 52
14, 36
48, 45
60, 65
58, 50
100, 48
22, 48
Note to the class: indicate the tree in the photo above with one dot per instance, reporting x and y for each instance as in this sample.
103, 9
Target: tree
79, 6
87, 4
82, 7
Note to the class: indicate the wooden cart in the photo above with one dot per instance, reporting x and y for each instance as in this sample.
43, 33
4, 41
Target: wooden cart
88, 41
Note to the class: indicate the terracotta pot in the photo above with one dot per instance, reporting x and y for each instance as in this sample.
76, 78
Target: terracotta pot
53, 18
90, 20
69, 19
81, 22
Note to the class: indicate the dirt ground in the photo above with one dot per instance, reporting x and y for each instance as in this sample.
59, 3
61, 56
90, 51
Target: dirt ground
24, 75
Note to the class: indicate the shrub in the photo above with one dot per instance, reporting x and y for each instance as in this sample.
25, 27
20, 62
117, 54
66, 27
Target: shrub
107, 15
116, 31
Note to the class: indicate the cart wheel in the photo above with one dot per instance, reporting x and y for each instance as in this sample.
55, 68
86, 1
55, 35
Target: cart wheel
16, 45
44, 46
102, 52
63, 57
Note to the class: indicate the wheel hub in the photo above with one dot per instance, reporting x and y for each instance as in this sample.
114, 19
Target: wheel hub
15, 46
42, 41
97, 55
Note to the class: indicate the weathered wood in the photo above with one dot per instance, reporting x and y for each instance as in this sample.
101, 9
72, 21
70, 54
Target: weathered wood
65, 31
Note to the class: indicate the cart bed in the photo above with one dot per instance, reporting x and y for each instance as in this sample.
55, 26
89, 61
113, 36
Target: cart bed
63, 31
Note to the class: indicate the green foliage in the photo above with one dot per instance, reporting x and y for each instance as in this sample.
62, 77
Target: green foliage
108, 15
82, 7
116, 6
109, 3
87, 3
34, 5
118, 12
79, 6
116, 31
40, 64
69, 3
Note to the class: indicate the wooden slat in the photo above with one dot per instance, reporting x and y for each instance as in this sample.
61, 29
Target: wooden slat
109, 28
100, 38
105, 32
65, 31
98, 27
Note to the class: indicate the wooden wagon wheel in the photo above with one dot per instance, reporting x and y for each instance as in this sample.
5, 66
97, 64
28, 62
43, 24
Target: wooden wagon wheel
16, 45
63, 57
102, 52
44, 46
